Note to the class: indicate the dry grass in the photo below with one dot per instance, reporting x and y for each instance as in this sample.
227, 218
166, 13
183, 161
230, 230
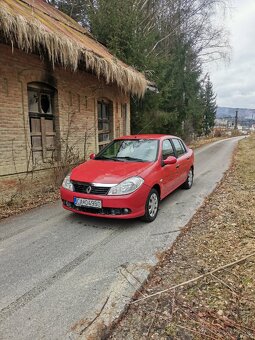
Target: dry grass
197, 143
29, 193
214, 137
221, 306
203, 141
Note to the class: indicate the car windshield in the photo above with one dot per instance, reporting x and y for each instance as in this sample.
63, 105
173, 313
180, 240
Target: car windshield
130, 150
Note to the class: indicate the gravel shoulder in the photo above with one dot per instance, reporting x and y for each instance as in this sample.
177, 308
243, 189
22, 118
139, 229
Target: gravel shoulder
219, 305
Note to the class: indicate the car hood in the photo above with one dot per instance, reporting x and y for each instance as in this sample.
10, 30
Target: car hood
107, 172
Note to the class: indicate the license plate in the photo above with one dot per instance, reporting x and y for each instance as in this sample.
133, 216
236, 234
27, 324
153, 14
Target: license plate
84, 202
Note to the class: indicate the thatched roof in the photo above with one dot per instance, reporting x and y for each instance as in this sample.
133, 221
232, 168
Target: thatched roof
34, 25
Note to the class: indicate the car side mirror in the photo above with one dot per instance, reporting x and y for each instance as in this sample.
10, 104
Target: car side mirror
170, 160
92, 156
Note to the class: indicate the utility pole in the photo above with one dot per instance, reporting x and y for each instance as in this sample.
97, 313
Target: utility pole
236, 119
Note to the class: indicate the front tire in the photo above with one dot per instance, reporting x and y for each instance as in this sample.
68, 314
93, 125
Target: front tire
189, 181
151, 206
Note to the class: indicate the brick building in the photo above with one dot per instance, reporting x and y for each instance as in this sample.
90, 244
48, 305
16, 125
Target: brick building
62, 94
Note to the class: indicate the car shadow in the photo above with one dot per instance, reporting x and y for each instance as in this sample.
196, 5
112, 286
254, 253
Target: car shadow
103, 223
171, 198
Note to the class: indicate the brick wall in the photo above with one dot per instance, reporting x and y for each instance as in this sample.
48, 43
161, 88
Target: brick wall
77, 95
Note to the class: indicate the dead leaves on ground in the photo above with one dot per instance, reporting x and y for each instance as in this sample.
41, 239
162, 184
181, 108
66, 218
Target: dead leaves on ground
27, 201
219, 306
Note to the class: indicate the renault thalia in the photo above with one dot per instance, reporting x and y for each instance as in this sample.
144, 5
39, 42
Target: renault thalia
129, 177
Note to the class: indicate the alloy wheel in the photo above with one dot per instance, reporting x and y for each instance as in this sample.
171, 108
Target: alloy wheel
153, 205
190, 178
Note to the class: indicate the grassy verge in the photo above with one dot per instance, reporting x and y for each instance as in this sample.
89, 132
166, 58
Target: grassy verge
217, 306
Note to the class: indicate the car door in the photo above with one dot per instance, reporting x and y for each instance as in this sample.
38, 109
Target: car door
182, 159
169, 173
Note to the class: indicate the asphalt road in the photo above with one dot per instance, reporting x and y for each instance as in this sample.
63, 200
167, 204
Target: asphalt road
58, 269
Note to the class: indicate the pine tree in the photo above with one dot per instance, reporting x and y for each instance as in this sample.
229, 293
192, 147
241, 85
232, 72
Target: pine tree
164, 39
210, 106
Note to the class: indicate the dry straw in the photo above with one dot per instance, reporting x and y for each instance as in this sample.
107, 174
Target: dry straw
32, 33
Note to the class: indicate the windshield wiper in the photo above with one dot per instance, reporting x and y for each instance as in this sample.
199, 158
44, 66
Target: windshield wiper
101, 157
131, 159
115, 159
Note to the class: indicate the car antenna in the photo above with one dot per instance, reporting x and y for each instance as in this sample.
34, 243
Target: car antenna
145, 126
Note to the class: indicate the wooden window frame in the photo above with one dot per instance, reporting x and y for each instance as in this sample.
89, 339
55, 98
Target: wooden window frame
109, 105
124, 115
41, 89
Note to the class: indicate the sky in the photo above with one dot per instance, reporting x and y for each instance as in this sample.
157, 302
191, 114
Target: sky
234, 82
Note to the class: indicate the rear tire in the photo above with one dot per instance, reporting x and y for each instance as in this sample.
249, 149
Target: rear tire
151, 206
189, 181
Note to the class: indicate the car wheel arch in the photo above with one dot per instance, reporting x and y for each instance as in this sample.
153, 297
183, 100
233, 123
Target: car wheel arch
157, 187
187, 184
152, 205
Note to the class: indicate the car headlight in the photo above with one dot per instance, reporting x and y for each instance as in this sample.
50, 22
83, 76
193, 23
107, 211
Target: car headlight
126, 187
67, 184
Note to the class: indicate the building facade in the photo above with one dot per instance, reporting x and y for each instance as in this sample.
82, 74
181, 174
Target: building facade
53, 108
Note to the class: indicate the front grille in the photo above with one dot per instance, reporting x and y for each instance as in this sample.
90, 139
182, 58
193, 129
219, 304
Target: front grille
102, 211
82, 188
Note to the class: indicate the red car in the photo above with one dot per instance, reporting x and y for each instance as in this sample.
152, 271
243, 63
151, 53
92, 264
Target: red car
129, 177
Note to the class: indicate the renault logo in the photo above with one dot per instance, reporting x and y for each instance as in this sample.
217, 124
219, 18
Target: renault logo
88, 190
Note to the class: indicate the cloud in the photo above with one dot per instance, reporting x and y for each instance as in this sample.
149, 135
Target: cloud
234, 83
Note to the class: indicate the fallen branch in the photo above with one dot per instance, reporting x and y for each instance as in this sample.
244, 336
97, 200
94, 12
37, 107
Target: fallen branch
167, 232
120, 271
131, 274
195, 331
232, 323
96, 317
224, 284
201, 322
194, 279
173, 305
153, 319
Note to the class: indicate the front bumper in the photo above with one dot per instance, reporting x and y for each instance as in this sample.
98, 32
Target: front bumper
123, 207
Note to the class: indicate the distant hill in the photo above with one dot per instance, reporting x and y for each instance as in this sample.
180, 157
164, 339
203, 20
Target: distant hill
223, 112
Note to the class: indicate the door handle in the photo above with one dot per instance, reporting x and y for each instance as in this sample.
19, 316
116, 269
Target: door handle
177, 166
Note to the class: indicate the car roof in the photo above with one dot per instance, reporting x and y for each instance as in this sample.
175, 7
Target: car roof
147, 136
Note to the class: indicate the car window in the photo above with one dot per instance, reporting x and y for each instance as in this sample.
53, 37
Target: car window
167, 149
129, 150
179, 148
184, 146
